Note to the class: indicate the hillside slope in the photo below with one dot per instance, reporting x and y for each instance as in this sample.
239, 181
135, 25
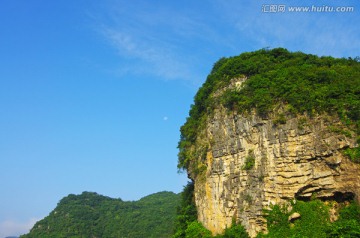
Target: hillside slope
94, 215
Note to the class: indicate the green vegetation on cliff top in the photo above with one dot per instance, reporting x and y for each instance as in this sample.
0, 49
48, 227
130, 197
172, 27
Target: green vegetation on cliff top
303, 83
93, 215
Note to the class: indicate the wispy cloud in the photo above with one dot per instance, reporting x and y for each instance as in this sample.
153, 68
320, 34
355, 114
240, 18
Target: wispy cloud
154, 57
178, 42
156, 40
15, 228
321, 33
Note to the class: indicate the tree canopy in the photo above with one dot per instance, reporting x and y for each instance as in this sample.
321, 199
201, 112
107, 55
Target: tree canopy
302, 83
94, 215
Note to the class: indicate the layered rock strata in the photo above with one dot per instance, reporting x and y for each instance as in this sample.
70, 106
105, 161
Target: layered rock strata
252, 162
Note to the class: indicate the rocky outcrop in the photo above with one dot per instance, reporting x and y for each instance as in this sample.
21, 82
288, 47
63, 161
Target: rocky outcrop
252, 162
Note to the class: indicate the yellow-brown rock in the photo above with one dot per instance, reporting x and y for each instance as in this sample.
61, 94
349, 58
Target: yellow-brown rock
299, 159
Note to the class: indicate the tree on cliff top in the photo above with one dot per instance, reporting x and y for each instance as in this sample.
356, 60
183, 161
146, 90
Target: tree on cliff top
305, 83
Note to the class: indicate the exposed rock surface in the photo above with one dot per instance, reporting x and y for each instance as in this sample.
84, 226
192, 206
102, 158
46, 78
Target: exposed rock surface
294, 216
299, 159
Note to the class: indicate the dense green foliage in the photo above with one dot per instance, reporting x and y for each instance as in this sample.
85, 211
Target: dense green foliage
303, 83
186, 211
353, 154
235, 231
196, 230
348, 224
91, 215
249, 161
314, 221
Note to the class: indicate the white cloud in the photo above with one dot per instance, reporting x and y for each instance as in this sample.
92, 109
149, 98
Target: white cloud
172, 42
16, 228
160, 40
151, 55
317, 33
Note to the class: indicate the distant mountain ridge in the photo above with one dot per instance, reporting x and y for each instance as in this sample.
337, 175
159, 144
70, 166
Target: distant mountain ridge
94, 215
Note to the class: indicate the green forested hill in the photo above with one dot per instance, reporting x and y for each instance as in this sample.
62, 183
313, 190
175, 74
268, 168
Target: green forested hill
93, 215
277, 85
301, 83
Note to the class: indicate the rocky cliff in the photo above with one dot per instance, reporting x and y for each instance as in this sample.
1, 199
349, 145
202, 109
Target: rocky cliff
254, 162
242, 161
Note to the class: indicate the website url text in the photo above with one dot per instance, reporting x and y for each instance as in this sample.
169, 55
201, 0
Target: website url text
281, 8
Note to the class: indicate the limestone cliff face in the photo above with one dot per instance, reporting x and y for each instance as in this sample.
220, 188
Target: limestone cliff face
252, 162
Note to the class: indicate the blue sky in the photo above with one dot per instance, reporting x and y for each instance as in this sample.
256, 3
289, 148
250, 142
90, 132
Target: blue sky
92, 94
